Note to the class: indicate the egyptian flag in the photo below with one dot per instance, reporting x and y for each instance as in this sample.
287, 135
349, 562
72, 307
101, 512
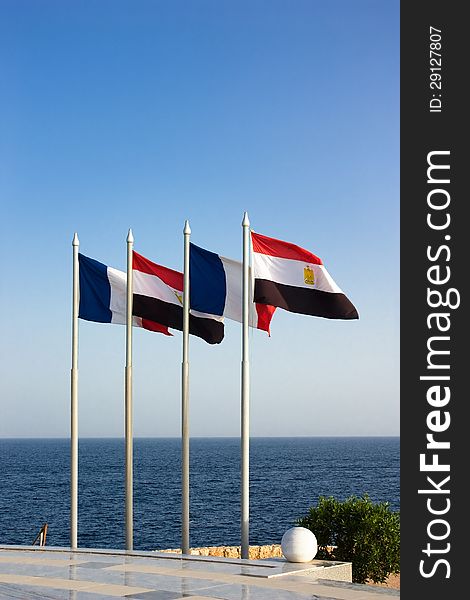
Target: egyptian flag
216, 288
296, 280
158, 296
103, 295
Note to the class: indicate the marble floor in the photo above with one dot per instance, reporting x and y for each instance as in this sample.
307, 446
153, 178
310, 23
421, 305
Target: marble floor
32, 573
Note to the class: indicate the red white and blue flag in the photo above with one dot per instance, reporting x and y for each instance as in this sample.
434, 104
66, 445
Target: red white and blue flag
216, 288
103, 294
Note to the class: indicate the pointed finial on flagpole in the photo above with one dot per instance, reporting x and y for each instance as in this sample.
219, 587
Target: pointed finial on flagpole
246, 220
187, 228
130, 237
75, 241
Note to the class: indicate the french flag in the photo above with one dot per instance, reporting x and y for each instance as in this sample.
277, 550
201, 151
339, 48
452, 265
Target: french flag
103, 292
296, 280
216, 288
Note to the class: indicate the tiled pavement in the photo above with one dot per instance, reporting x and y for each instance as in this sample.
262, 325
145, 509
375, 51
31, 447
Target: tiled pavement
31, 573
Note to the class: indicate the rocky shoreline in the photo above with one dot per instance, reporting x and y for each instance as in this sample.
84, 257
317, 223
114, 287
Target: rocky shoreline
257, 552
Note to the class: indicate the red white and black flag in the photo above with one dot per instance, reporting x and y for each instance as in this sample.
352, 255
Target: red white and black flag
158, 297
296, 280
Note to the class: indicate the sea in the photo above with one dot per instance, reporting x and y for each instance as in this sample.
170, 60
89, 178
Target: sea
287, 476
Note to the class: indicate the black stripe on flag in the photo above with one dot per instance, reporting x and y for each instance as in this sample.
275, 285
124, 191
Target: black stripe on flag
304, 301
171, 315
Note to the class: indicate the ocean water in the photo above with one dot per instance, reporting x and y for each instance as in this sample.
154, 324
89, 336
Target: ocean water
287, 476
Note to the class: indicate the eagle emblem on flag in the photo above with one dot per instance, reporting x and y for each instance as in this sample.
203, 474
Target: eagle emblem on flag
309, 275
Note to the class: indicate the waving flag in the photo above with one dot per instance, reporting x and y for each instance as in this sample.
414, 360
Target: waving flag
296, 280
103, 295
216, 288
158, 295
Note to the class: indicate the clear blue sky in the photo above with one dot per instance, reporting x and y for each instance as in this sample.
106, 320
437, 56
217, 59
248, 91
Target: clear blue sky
139, 113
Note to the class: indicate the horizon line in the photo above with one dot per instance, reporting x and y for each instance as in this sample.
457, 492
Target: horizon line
170, 437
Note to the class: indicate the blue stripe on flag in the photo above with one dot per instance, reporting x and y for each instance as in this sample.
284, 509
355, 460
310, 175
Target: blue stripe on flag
207, 286
95, 290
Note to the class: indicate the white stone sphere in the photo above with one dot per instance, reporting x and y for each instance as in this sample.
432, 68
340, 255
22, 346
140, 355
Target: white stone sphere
299, 545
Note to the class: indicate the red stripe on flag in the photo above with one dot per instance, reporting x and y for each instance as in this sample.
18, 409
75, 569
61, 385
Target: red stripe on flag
152, 326
273, 247
172, 278
265, 314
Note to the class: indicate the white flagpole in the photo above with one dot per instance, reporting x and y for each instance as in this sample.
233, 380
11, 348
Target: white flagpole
74, 403
185, 400
128, 398
245, 400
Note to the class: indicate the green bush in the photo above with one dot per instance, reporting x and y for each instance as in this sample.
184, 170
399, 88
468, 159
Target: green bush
357, 531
